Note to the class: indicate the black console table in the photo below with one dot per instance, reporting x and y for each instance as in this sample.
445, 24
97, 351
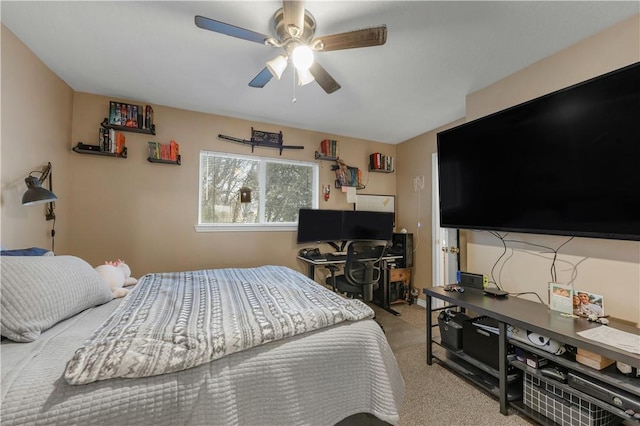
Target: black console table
537, 318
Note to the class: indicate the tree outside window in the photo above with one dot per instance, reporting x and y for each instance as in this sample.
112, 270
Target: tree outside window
279, 188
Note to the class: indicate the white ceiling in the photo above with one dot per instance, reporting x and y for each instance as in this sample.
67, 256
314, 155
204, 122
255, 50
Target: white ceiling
436, 53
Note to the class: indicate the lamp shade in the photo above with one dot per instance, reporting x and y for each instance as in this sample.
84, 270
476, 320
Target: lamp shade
35, 193
305, 77
277, 65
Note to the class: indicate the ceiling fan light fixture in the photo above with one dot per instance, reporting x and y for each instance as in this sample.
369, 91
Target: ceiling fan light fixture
302, 57
304, 77
277, 65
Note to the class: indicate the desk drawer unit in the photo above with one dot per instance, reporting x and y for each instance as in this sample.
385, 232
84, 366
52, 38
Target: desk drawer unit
399, 274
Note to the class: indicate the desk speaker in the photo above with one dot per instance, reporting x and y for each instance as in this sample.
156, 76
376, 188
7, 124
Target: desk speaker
403, 245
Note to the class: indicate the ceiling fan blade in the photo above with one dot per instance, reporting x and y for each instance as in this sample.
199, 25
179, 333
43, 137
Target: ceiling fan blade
293, 17
261, 79
230, 30
323, 78
374, 36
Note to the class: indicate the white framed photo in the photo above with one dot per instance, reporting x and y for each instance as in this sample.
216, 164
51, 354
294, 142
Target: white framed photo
561, 298
586, 303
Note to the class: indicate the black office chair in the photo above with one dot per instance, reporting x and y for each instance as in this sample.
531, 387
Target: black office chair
361, 271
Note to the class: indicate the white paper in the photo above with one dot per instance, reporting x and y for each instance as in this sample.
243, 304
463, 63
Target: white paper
351, 194
613, 337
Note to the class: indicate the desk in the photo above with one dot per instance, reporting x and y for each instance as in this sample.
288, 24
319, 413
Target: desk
537, 318
384, 281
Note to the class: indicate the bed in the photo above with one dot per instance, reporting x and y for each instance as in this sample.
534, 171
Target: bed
316, 370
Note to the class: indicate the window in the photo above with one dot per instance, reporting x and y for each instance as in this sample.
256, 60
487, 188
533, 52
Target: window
279, 188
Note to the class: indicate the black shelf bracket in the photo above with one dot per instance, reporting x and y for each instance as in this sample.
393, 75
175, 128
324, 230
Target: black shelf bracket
106, 125
260, 144
79, 150
177, 162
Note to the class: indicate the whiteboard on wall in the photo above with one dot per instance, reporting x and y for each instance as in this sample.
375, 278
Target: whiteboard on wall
376, 203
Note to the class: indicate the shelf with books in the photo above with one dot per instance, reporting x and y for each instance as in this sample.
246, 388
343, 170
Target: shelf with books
380, 170
93, 150
381, 163
320, 156
130, 118
177, 161
328, 150
150, 131
167, 153
347, 176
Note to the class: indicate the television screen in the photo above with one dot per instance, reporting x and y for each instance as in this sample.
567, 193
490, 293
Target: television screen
367, 225
316, 225
567, 163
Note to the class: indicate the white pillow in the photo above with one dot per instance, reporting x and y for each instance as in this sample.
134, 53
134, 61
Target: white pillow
40, 291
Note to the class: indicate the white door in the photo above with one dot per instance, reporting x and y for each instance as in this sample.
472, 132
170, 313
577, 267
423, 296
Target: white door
445, 240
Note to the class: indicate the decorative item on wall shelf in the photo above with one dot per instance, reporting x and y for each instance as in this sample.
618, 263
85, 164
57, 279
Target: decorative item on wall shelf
167, 153
328, 150
130, 118
347, 175
381, 163
82, 148
262, 139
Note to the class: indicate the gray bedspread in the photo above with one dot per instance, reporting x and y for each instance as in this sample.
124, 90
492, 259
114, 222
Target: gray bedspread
315, 378
174, 321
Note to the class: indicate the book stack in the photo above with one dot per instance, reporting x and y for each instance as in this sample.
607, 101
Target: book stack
164, 151
378, 161
329, 148
111, 141
349, 176
129, 115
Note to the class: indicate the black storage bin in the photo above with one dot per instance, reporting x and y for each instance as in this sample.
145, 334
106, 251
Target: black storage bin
450, 324
480, 341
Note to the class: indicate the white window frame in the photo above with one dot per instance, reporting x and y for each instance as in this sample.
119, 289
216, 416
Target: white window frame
240, 227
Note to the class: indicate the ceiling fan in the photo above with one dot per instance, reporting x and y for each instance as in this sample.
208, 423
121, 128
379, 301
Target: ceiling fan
295, 27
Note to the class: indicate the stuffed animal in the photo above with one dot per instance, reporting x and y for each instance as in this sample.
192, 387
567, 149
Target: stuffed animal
117, 275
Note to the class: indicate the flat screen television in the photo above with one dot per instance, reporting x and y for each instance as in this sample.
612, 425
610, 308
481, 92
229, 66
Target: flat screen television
335, 226
567, 163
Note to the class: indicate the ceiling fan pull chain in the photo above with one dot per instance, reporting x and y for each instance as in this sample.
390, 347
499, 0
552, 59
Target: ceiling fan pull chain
293, 101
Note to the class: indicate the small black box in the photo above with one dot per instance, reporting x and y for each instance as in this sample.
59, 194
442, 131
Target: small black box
480, 340
450, 323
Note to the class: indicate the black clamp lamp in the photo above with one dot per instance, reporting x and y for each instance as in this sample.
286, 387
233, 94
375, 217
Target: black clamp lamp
36, 194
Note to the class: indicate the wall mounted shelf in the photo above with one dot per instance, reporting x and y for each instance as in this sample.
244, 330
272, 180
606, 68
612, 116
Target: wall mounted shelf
79, 150
106, 125
319, 156
263, 144
159, 160
380, 170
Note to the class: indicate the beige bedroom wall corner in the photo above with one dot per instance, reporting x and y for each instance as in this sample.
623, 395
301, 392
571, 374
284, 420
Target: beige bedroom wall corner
414, 211
145, 213
36, 129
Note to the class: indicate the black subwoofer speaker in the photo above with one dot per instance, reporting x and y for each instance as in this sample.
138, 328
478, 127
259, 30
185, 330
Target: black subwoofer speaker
403, 246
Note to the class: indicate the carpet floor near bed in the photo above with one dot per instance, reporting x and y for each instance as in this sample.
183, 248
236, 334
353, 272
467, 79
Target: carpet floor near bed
434, 395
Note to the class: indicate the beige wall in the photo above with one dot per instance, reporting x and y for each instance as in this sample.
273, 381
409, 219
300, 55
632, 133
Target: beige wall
145, 213
414, 212
36, 128
607, 267
129, 208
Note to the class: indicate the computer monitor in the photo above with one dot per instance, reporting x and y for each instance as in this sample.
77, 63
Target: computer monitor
317, 225
367, 225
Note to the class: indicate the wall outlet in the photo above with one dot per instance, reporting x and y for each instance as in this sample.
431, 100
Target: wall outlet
418, 183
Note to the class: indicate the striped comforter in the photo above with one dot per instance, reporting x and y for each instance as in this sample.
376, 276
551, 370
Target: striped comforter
176, 321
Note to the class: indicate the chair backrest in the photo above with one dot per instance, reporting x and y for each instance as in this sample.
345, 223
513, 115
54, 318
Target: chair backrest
363, 262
